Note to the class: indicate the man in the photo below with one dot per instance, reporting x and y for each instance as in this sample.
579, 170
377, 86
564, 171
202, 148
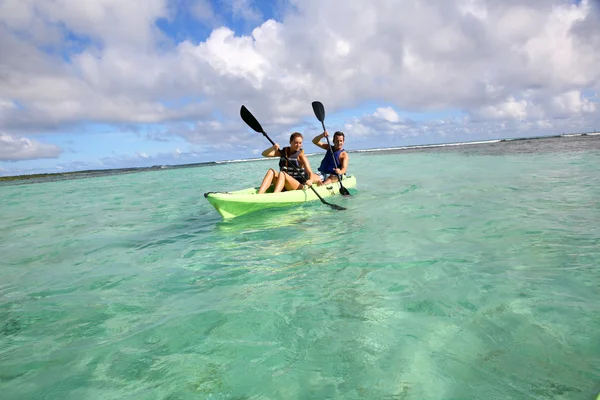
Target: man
335, 165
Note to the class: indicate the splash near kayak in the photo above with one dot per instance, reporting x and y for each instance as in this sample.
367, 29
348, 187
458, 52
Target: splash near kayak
240, 202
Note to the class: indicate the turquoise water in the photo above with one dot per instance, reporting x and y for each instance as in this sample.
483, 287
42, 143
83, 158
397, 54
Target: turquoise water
454, 274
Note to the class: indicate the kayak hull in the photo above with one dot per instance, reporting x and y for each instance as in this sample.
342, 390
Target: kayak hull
245, 201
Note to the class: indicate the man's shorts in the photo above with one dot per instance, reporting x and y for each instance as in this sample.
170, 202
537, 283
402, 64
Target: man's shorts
323, 176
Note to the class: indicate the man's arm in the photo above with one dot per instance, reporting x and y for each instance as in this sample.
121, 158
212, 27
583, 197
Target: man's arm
344, 160
317, 141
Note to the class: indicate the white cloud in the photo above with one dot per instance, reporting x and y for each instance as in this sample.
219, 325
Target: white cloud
343, 48
554, 53
112, 22
572, 103
427, 57
6, 106
244, 9
510, 109
387, 113
475, 8
203, 11
14, 148
233, 56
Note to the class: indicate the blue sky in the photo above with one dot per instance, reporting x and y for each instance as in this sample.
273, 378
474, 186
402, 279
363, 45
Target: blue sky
112, 84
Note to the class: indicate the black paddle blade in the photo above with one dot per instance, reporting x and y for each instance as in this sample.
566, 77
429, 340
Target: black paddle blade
319, 110
250, 120
344, 191
336, 207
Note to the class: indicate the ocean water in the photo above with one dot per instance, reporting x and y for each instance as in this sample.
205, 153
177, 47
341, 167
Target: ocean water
463, 272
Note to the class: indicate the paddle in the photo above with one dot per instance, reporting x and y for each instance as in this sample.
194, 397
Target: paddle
320, 114
253, 123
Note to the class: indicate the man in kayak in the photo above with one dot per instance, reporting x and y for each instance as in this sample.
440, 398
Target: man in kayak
336, 159
288, 177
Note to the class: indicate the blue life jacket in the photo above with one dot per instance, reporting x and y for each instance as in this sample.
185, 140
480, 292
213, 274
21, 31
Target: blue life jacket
297, 173
327, 165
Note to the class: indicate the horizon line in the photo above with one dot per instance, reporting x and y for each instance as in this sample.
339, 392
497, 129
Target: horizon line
215, 162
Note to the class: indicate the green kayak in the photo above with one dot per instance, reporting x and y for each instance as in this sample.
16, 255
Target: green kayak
240, 202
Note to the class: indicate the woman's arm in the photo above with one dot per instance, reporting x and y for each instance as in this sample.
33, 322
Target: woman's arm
306, 165
272, 151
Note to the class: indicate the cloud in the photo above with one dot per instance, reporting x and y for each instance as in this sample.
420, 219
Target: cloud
387, 113
109, 22
538, 105
384, 121
511, 109
418, 57
572, 103
203, 11
531, 115
20, 148
141, 159
232, 57
505, 65
244, 9
205, 133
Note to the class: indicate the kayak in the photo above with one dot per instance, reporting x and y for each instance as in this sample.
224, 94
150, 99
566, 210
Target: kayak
240, 202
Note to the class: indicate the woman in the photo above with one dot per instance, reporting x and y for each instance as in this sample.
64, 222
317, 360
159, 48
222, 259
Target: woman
288, 177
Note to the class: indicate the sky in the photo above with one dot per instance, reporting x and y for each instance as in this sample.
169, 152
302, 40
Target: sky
98, 84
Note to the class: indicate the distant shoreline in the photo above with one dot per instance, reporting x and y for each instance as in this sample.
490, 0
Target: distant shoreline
477, 142
103, 172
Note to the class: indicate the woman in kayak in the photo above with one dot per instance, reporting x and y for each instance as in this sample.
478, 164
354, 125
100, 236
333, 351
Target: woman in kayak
288, 177
330, 168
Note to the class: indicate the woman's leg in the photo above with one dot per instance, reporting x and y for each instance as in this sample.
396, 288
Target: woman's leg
291, 183
267, 180
281, 178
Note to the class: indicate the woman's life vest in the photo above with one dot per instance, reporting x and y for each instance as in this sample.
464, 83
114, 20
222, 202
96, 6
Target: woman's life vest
298, 173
